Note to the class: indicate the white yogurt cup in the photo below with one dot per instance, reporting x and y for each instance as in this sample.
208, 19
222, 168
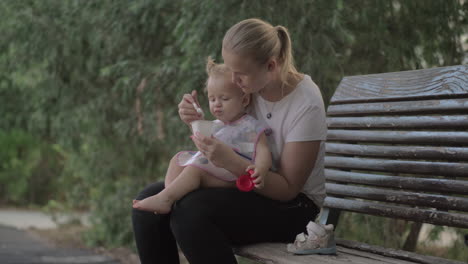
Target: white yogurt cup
204, 127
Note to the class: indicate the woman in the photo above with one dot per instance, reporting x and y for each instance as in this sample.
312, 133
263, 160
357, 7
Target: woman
208, 222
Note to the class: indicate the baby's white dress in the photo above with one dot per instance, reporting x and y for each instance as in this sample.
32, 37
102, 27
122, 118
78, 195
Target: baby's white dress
241, 135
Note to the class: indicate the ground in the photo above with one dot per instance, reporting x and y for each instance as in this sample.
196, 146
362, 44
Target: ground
31, 234
70, 237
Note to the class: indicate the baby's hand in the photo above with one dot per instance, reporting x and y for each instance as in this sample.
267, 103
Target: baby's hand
259, 175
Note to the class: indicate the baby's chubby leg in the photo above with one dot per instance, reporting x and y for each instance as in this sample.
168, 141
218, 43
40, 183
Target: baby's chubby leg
208, 181
188, 180
161, 203
173, 171
158, 203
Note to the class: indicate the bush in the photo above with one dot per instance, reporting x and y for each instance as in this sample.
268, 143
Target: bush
29, 169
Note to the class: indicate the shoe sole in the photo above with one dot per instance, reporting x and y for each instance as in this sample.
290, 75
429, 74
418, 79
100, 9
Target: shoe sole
319, 251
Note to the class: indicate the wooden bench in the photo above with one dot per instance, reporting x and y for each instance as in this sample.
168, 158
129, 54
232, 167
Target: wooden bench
397, 147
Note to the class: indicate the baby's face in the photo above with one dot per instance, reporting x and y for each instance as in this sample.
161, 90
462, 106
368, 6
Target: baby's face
227, 101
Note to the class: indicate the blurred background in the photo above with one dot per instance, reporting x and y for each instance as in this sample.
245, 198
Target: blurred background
89, 92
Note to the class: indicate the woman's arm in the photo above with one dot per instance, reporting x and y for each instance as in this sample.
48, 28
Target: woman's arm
296, 163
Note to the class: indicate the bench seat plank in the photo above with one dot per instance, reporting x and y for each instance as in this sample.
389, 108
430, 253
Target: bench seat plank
348, 252
275, 253
395, 253
371, 256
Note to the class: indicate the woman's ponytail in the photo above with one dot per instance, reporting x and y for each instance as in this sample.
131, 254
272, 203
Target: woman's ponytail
285, 55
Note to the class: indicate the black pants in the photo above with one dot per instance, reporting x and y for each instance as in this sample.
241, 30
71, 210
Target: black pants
206, 223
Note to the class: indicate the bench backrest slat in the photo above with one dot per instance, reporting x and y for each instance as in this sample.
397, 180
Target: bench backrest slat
432, 168
436, 83
399, 152
402, 138
402, 108
401, 122
401, 197
408, 213
437, 138
399, 182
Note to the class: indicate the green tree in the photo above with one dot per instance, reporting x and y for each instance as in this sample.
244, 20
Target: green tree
99, 81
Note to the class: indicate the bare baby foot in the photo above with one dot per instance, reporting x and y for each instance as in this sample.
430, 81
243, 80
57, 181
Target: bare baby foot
155, 203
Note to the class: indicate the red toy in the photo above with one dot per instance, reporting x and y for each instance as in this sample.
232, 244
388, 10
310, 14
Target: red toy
245, 181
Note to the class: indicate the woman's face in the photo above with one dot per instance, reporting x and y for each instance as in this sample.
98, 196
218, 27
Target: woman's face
247, 74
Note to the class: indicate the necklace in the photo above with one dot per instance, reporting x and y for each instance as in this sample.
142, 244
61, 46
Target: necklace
269, 112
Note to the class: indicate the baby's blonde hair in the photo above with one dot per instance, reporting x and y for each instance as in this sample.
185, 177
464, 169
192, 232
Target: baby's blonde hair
261, 41
215, 69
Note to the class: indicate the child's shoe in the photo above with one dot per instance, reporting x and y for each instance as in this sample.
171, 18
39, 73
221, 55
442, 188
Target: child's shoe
319, 240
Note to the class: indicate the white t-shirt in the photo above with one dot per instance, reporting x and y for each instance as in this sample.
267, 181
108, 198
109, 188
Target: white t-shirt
299, 116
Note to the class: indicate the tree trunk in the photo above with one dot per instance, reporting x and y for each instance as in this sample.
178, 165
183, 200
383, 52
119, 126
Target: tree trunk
412, 239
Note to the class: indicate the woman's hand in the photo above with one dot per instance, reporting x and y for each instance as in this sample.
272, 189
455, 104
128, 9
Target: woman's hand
187, 112
213, 149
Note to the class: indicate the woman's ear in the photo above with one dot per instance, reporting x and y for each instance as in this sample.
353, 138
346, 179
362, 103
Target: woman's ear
272, 64
246, 100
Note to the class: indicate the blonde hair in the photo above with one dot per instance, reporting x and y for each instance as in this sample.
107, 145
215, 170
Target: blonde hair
214, 69
261, 41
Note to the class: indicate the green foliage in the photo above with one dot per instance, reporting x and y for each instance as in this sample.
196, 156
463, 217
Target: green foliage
392, 233
455, 251
435, 233
19, 156
95, 84
28, 168
112, 227
458, 249
372, 229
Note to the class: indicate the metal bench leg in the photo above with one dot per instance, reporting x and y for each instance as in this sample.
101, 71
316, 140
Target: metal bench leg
329, 216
